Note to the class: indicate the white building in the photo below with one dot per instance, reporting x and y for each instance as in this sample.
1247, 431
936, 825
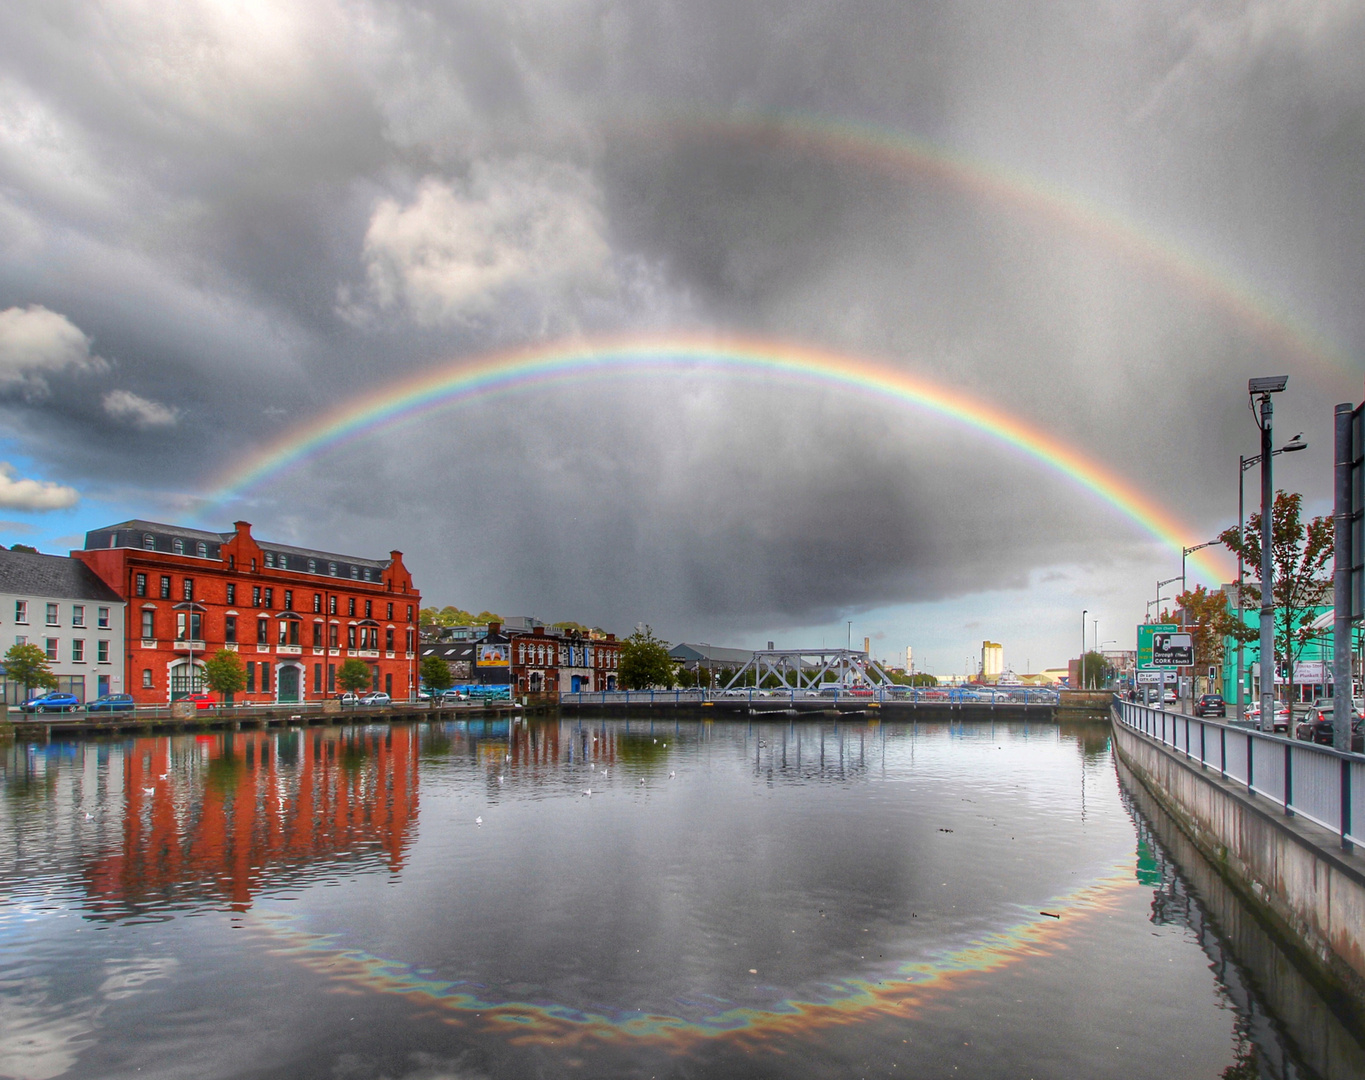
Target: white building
992, 660
60, 605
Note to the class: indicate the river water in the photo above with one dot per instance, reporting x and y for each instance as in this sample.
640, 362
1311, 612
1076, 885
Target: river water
602, 899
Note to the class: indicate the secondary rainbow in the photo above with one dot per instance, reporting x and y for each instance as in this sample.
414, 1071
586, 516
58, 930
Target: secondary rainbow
873, 148
450, 384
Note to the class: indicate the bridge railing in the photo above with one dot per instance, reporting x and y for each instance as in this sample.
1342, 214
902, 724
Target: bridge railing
1319, 783
914, 695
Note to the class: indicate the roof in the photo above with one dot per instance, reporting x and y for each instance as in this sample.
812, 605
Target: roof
57, 576
129, 534
463, 650
690, 653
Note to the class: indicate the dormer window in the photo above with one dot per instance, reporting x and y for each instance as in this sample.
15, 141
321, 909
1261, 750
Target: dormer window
269, 559
201, 549
149, 541
355, 573
312, 566
282, 562
178, 546
332, 569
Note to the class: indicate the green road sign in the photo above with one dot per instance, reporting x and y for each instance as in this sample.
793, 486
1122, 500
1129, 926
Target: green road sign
1145, 633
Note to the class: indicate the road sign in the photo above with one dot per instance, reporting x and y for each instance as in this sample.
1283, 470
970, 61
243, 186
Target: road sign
1156, 676
1172, 650
1145, 633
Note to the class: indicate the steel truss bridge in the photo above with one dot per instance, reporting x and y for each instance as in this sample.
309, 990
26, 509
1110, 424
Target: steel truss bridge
806, 669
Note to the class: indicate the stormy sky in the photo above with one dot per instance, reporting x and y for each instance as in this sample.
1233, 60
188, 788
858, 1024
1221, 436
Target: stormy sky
219, 220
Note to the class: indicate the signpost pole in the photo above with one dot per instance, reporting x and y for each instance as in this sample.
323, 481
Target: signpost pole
1267, 639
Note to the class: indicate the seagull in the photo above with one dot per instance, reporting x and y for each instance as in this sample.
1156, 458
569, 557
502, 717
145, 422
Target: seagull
163, 776
89, 816
501, 779
587, 791
672, 775
478, 820
642, 783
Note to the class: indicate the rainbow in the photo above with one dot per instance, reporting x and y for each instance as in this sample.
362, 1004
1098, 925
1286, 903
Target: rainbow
462, 380
906, 989
886, 150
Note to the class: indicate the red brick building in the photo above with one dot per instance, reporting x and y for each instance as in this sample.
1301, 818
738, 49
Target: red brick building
549, 663
292, 614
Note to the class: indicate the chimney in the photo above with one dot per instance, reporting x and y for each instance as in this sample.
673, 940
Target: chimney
494, 628
538, 631
611, 637
243, 528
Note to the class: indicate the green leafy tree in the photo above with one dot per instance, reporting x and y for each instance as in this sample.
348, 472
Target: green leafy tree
354, 675
1095, 671
224, 673
1300, 554
435, 674
25, 547
645, 661
27, 666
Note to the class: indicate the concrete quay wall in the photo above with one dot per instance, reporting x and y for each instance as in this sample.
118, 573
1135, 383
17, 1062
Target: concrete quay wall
1293, 872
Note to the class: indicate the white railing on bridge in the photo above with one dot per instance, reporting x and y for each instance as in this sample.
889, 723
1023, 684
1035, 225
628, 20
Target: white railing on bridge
1319, 783
769, 698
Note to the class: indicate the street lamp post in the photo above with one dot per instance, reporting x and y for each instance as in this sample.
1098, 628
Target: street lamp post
1262, 390
1084, 613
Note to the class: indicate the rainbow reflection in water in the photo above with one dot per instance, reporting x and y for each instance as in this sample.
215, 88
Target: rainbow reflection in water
844, 1001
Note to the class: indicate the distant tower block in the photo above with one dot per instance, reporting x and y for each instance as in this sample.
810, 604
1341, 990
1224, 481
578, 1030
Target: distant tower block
867, 645
909, 658
992, 660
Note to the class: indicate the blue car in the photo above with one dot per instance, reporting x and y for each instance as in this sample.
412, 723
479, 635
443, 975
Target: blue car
111, 703
53, 702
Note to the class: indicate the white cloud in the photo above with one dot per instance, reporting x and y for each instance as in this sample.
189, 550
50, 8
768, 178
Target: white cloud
138, 411
522, 226
20, 493
36, 342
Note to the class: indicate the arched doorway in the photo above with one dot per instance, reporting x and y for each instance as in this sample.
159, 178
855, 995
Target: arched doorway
186, 680
288, 683
535, 682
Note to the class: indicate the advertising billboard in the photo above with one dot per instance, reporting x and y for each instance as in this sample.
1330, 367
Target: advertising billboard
493, 655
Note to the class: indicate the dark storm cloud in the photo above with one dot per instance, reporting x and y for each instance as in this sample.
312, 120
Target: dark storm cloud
249, 213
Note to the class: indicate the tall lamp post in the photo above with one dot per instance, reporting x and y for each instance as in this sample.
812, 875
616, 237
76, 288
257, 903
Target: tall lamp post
1243, 464
1261, 392
1084, 613
1161, 686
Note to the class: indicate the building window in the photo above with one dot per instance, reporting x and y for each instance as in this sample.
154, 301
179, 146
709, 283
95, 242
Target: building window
388, 639
140, 585
51, 648
332, 636
201, 549
232, 592
165, 587
366, 573
350, 606
332, 569
269, 559
253, 566
230, 628
178, 546
51, 614
78, 651
147, 678
312, 566
317, 603
262, 631
102, 618
265, 677
255, 596
232, 562
21, 611
409, 613
355, 573
251, 676
331, 605
102, 652
331, 678
148, 542
269, 597
282, 562
148, 625
390, 614
317, 635
288, 599
188, 587
350, 637
77, 614
317, 678
21, 639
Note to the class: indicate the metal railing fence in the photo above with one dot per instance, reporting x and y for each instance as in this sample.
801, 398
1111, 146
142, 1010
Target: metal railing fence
928, 695
1316, 782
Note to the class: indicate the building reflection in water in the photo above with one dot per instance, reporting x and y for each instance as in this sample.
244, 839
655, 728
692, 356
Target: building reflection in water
223, 816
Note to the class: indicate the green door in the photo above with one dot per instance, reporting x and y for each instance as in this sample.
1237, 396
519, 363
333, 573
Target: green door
289, 684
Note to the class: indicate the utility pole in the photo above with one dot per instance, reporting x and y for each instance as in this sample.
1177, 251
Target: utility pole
1263, 389
1084, 613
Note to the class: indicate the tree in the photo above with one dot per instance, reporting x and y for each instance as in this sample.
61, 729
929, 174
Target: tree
354, 675
435, 674
1210, 622
1299, 555
1094, 671
645, 661
26, 548
224, 673
27, 665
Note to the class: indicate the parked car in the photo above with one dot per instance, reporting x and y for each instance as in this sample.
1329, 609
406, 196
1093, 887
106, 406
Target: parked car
1168, 695
201, 701
1281, 723
54, 701
349, 698
1319, 728
376, 697
1210, 705
449, 697
111, 703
